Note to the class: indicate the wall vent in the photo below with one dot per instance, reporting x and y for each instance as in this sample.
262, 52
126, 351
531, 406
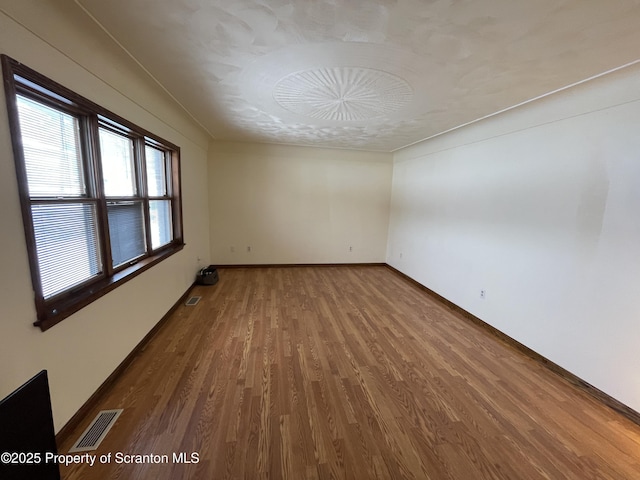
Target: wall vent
96, 431
193, 301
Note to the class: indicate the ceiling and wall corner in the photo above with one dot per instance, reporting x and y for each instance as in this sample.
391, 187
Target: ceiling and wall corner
370, 75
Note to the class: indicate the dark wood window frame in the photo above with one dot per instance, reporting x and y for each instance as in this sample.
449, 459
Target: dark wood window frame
23, 81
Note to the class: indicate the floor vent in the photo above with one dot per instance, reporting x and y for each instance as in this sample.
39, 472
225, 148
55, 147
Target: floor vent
192, 301
95, 433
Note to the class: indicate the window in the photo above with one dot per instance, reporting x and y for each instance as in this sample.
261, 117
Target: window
100, 196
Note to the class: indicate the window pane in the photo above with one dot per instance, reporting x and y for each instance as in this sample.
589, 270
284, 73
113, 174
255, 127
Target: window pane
52, 153
126, 231
66, 245
118, 168
156, 173
160, 220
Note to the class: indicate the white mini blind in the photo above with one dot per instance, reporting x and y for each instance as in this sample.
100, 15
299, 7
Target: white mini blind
66, 237
65, 233
52, 152
126, 231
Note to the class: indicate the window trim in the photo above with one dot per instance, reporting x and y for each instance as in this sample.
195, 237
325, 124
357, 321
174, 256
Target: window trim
58, 307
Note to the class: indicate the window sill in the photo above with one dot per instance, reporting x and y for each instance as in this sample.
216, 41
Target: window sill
58, 309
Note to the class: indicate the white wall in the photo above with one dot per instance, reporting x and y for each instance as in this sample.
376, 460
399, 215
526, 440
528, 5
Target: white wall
56, 39
297, 204
540, 207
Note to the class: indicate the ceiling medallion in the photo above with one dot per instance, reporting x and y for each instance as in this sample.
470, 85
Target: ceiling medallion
342, 93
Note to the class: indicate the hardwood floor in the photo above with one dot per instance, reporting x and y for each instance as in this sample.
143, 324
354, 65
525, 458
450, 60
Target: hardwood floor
348, 373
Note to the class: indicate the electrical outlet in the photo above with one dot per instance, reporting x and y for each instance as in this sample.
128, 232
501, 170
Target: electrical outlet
248, 249
400, 255
233, 249
483, 294
350, 249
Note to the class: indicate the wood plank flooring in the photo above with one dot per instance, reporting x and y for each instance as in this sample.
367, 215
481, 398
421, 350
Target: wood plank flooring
347, 373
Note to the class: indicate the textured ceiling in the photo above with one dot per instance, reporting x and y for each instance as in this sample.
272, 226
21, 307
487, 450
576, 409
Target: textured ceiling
371, 75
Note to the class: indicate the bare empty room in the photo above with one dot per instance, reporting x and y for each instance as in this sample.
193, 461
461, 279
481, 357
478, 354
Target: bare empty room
422, 218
